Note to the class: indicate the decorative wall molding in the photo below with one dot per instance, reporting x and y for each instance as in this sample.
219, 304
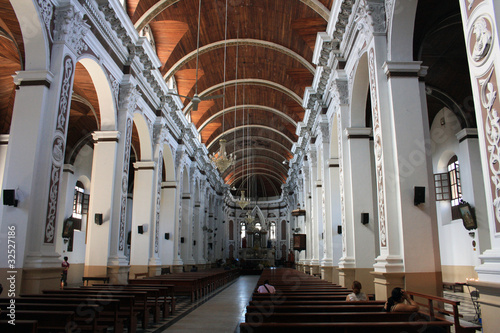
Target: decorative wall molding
70, 28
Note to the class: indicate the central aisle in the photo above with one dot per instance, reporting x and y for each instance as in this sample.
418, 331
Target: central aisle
223, 312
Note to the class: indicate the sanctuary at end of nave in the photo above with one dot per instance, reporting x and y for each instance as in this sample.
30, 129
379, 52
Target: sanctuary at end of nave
358, 138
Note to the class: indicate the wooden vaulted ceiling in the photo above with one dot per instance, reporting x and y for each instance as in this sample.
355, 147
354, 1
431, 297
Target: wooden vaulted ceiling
264, 83
261, 64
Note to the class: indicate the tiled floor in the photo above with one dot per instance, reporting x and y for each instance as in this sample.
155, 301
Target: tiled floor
467, 308
219, 312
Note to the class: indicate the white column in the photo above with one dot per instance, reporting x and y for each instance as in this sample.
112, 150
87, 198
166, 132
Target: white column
316, 211
142, 213
101, 202
471, 179
168, 247
360, 184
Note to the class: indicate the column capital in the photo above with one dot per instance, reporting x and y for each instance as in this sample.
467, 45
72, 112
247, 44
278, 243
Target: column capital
358, 132
467, 133
33, 78
144, 165
100, 136
402, 68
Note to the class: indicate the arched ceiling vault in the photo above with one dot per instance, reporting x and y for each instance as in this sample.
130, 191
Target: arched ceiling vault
262, 65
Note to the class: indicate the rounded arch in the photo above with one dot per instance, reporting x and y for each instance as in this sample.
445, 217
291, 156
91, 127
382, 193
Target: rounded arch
168, 163
107, 106
241, 42
400, 31
35, 38
161, 5
258, 82
359, 94
144, 137
249, 126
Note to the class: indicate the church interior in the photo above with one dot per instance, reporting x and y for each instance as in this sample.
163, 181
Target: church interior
321, 141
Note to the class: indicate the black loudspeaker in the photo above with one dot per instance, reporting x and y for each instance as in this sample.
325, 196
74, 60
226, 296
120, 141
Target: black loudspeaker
182, 239
419, 195
9, 198
365, 218
194, 242
140, 229
167, 235
98, 218
339, 229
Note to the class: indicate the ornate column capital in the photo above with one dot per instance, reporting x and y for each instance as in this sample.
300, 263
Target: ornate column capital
70, 28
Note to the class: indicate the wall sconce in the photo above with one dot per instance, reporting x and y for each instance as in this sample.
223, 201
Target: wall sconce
9, 198
98, 218
142, 228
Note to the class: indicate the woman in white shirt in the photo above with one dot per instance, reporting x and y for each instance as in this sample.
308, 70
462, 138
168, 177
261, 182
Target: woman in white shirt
356, 295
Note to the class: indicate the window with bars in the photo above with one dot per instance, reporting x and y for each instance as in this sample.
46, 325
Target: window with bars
272, 230
448, 186
80, 205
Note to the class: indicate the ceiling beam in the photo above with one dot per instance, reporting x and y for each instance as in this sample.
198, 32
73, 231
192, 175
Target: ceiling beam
248, 106
255, 82
238, 42
162, 5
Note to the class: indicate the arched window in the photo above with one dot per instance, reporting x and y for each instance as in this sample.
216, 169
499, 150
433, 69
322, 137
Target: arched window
272, 230
455, 185
80, 205
243, 233
258, 226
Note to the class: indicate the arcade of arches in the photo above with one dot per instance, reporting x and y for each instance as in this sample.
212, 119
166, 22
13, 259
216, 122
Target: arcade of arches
377, 118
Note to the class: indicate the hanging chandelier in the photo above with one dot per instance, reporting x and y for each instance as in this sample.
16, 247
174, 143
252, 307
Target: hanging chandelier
249, 218
221, 159
243, 202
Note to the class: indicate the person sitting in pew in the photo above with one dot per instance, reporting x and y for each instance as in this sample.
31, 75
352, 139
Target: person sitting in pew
396, 303
356, 294
266, 288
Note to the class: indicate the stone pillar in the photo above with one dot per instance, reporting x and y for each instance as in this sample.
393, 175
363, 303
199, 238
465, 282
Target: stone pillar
360, 184
315, 209
168, 248
102, 184
308, 218
154, 237
400, 126
347, 262
118, 264
142, 217
471, 177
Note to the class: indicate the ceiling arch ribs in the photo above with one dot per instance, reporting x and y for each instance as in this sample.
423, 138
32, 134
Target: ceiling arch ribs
257, 159
249, 126
162, 5
257, 82
255, 174
261, 138
247, 106
240, 42
242, 151
241, 175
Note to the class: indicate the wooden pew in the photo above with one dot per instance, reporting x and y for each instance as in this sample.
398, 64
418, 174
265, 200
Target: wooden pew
314, 308
112, 311
139, 304
345, 327
25, 326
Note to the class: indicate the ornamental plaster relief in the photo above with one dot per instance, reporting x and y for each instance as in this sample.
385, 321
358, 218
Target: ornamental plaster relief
378, 148
58, 147
124, 187
341, 185
70, 28
158, 200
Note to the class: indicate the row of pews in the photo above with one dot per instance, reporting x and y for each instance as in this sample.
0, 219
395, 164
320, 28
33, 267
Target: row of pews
304, 303
103, 307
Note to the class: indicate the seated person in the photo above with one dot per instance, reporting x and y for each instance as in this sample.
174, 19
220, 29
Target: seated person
356, 295
396, 303
194, 269
266, 288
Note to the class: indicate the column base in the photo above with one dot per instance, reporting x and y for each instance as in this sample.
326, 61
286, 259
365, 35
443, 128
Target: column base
176, 268
97, 271
34, 280
315, 270
489, 270
346, 276
118, 274
327, 273
490, 304
385, 282
138, 269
